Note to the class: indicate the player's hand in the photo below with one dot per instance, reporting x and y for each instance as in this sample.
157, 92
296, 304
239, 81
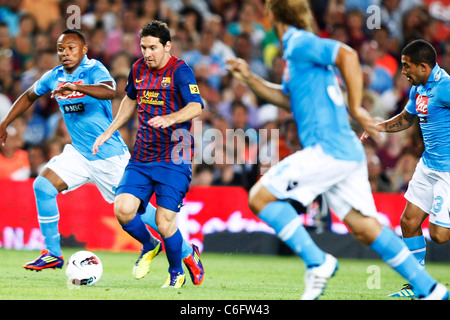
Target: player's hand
161, 121
64, 90
101, 139
372, 127
239, 68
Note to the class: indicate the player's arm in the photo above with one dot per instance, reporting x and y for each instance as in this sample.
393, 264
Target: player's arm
347, 62
400, 122
20, 106
269, 91
189, 112
102, 91
126, 110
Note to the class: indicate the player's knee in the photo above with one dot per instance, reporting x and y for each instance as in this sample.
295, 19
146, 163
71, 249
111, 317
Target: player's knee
44, 189
123, 212
440, 237
166, 228
409, 224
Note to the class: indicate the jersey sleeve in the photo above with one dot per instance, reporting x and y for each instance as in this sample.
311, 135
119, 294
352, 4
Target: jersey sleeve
315, 50
130, 88
44, 84
99, 73
444, 97
187, 84
411, 104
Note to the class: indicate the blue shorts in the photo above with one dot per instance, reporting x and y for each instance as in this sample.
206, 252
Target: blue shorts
143, 179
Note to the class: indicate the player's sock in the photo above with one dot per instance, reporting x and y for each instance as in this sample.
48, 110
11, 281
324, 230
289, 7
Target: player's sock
149, 218
172, 245
48, 214
282, 217
395, 253
137, 229
418, 248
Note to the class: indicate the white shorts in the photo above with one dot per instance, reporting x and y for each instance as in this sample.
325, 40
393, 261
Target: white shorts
76, 170
430, 191
310, 172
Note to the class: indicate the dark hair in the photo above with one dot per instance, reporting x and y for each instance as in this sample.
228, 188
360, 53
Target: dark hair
77, 32
420, 51
157, 29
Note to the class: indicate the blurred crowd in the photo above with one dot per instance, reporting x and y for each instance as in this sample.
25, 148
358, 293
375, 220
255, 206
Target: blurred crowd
204, 34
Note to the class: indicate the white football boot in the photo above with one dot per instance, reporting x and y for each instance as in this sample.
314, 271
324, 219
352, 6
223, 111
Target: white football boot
440, 292
316, 278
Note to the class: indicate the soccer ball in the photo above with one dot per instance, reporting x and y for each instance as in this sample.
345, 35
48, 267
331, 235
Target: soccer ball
84, 268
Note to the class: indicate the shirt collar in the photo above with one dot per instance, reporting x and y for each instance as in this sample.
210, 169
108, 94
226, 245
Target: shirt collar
288, 34
436, 74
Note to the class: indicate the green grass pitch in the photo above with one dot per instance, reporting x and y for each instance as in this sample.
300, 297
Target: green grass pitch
228, 277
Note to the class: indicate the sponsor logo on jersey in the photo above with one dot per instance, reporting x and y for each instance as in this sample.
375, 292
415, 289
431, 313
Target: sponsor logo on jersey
74, 94
151, 97
73, 108
422, 104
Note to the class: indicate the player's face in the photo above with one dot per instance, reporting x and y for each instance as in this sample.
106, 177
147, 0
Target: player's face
416, 74
71, 51
156, 54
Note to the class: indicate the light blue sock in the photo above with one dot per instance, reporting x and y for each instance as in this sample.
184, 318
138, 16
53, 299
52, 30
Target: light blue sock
418, 248
48, 214
283, 218
395, 253
149, 218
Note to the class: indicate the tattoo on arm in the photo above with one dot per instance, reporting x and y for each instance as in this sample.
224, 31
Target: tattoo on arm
400, 122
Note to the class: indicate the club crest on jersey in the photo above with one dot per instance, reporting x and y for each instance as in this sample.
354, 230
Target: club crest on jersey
74, 94
165, 82
422, 104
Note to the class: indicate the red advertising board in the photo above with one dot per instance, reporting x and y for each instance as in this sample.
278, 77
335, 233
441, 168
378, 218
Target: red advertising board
86, 219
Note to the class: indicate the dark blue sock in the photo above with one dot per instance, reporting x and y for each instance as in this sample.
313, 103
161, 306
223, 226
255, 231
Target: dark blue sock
173, 246
137, 229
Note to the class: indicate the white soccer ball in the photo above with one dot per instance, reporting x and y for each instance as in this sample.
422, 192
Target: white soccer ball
84, 268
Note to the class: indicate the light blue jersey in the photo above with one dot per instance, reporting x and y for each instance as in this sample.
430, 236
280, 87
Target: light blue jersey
316, 100
431, 103
86, 118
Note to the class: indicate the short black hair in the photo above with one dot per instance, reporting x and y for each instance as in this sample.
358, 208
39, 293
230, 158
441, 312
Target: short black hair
157, 29
420, 51
77, 32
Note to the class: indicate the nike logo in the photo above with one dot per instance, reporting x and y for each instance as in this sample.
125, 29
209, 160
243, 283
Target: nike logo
137, 81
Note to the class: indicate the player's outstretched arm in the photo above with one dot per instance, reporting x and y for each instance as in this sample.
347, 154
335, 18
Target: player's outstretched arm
270, 92
101, 91
126, 110
400, 122
19, 107
347, 61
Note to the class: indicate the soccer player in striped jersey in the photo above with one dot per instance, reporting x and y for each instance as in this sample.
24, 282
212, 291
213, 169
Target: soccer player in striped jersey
164, 91
83, 89
428, 193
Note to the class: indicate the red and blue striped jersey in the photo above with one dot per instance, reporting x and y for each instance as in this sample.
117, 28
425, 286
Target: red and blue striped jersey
160, 92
